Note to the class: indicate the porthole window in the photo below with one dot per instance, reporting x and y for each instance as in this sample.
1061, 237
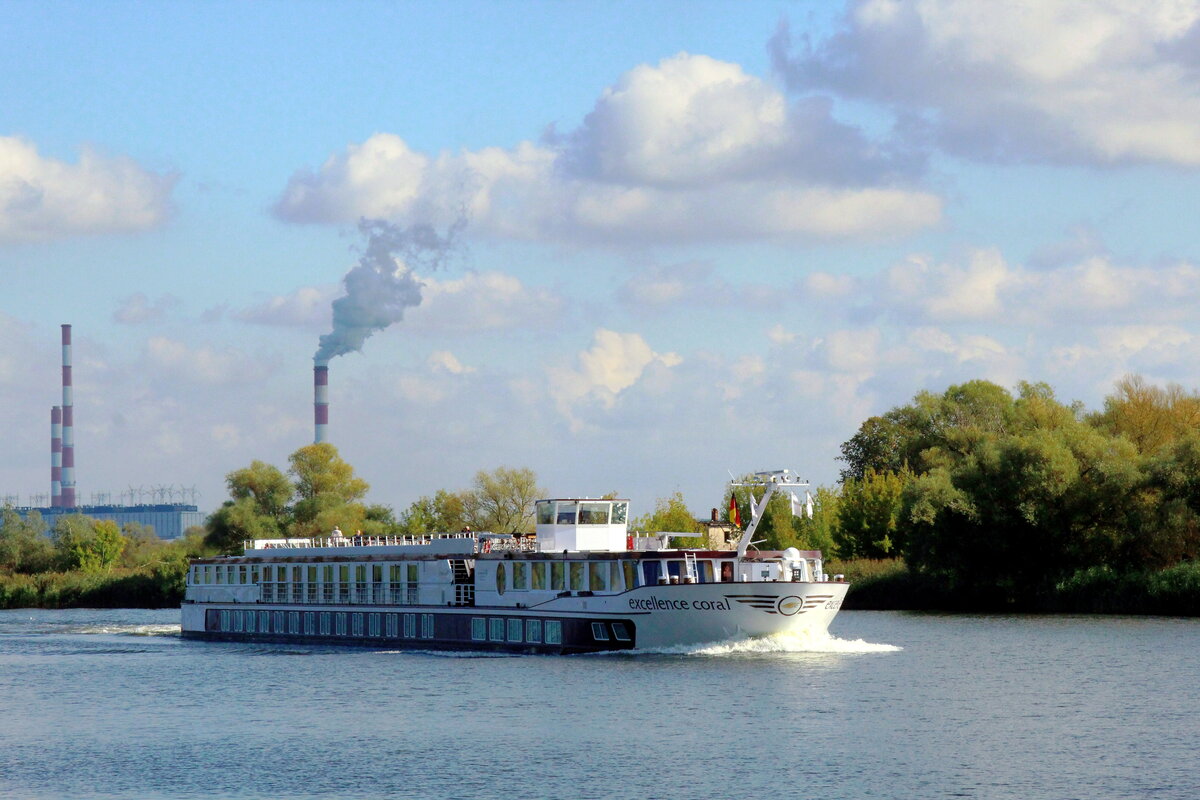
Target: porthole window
599, 632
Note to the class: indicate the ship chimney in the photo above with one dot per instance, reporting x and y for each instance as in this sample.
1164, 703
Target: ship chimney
320, 401
55, 457
68, 424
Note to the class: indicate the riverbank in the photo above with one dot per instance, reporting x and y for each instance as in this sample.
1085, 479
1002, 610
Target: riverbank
890, 586
875, 585
155, 586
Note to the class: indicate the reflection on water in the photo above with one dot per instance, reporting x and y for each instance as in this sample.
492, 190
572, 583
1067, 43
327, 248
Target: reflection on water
115, 704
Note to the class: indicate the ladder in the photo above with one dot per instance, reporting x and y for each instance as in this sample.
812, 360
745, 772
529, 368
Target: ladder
689, 567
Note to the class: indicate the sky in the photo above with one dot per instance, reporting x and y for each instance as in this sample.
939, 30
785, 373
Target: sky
636, 247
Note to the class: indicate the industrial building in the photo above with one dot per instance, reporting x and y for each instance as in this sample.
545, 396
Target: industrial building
168, 520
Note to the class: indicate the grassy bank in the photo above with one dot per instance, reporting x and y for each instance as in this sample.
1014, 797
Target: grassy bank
155, 586
889, 585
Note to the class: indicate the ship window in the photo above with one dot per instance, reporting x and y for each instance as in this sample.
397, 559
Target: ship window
614, 576
566, 514
356, 623
597, 580
326, 623
496, 629
312, 575
593, 514
650, 570
264, 621
630, 574
726, 572
277, 622
339, 623
537, 576
254, 574
412, 573
220, 575
675, 570
533, 630
553, 631
377, 573
427, 626
376, 625
478, 629
251, 621
576, 574
410, 625
238, 623
360, 573
393, 625
241, 574
514, 630
343, 573
224, 620
705, 570
619, 513
520, 576
293, 622
545, 514
501, 579
556, 576
394, 574
599, 632
310, 622
620, 633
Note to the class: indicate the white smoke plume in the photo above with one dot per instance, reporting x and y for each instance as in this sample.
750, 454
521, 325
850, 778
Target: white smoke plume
383, 283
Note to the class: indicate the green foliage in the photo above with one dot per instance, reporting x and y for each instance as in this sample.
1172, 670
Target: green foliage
86, 544
868, 515
671, 515
24, 546
502, 501
445, 512
1150, 417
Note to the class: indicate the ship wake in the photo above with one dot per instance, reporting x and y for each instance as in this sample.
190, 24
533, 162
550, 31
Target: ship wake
788, 642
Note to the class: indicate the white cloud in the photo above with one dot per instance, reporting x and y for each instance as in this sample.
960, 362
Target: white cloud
1085, 81
137, 309
308, 306
614, 363
483, 301
42, 198
446, 361
201, 365
692, 148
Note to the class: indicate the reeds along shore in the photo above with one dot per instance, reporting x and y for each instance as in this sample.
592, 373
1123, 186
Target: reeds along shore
890, 585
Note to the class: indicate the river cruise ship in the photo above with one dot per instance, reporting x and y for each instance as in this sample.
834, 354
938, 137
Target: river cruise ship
581, 583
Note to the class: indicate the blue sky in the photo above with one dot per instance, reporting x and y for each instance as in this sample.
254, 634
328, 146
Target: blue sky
697, 237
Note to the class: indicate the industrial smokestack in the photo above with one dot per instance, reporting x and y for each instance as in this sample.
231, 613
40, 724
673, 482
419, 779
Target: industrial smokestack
320, 401
55, 457
68, 424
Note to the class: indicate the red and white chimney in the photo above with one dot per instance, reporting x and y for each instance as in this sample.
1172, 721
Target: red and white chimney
55, 457
320, 402
68, 424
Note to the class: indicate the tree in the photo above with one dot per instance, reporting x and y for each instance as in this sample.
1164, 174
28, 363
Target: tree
503, 500
671, 515
1017, 513
24, 546
868, 515
1149, 416
86, 544
326, 491
266, 486
445, 512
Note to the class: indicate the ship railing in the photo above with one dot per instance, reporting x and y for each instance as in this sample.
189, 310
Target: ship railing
516, 543
352, 541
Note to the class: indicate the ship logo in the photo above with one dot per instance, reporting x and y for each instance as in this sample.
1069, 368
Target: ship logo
786, 606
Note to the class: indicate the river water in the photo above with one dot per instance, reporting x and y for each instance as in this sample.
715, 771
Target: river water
114, 704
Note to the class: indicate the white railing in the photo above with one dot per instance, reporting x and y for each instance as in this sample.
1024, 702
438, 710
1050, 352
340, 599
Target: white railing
352, 541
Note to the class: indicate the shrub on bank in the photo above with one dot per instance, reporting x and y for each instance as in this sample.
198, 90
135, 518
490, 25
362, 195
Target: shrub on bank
155, 586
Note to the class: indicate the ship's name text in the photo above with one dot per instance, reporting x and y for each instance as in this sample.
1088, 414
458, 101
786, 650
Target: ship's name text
658, 604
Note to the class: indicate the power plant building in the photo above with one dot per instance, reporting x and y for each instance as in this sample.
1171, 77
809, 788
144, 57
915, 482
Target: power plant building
169, 520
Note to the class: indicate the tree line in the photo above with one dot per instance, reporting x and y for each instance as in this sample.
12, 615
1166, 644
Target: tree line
1000, 496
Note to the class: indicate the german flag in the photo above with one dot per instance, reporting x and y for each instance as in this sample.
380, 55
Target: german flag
735, 516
